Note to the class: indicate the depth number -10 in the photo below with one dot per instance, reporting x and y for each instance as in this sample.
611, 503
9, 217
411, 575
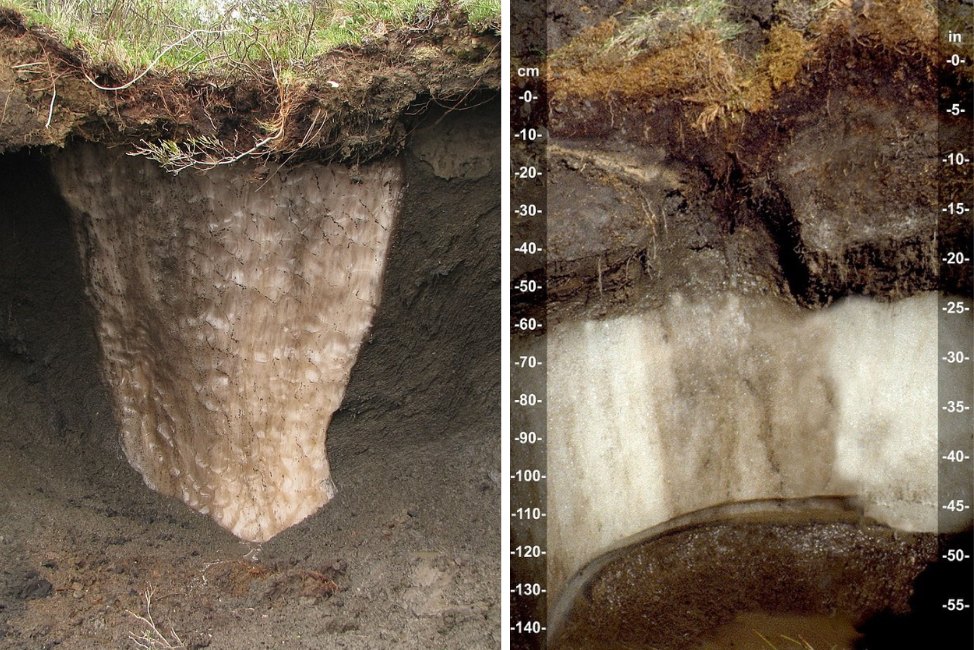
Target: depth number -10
529, 134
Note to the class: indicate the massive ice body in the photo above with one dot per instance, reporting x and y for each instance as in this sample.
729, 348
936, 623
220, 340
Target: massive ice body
730, 398
230, 311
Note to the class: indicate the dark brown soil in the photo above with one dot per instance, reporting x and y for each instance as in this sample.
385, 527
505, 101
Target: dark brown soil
826, 187
405, 556
677, 588
381, 88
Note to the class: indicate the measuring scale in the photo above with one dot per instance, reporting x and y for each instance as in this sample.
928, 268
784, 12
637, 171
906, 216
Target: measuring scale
954, 587
529, 359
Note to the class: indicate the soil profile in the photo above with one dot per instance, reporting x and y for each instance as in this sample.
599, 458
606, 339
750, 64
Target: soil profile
782, 150
407, 554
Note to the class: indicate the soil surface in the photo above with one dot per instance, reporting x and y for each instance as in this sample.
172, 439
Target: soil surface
353, 105
406, 555
820, 184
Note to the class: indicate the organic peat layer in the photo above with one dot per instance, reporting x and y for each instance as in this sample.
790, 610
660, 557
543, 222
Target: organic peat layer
353, 105
796, 159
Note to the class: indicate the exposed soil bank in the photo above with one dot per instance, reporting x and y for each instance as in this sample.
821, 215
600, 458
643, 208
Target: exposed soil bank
406, 556
352, 105
825, 188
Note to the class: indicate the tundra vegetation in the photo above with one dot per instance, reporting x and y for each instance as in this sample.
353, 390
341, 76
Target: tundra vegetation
219, 35
201, 83
697, 52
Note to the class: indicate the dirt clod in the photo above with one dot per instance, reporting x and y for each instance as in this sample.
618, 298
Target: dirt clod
34, 587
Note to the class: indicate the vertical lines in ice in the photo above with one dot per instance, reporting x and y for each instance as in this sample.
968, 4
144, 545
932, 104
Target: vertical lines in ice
230, 314
730, 398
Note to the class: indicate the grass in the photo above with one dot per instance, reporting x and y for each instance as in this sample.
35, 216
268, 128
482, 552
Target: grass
484, 14
211, 34
665, 25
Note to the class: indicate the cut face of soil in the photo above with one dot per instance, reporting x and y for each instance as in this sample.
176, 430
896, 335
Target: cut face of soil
826, 189
782, 568
792, 167
406, 554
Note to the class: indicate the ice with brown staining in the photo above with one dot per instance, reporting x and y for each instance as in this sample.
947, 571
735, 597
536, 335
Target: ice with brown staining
229, 313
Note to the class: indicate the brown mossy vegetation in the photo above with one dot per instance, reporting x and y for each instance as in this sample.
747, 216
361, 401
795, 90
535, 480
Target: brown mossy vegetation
647, 60
353, 105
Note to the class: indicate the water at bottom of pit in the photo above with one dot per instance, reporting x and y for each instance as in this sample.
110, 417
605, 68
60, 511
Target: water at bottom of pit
763, 631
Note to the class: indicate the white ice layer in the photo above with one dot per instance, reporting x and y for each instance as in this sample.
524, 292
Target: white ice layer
700, 403
230, 312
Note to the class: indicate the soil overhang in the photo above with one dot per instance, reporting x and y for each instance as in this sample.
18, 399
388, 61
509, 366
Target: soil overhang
355, 104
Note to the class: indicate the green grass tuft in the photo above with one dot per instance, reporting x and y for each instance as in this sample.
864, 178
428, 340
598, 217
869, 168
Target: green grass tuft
484, 14
216, 34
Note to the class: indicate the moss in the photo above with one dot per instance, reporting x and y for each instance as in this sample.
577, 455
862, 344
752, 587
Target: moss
587, 49
784, 55
688, 53
778, 65
691, 66
884, 23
